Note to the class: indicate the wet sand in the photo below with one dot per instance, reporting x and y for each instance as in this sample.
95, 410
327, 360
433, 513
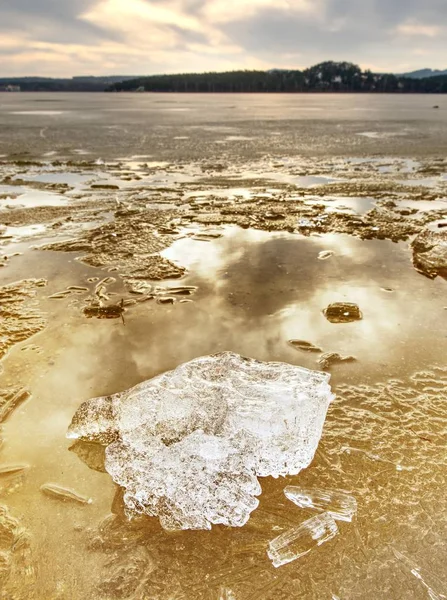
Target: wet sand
259, 246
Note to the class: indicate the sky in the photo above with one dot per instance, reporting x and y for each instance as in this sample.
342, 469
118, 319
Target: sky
138, 37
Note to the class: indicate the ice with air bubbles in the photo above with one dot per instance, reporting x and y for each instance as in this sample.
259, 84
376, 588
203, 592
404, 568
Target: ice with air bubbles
189, 445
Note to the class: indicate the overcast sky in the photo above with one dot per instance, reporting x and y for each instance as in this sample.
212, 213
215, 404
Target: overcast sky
78, 37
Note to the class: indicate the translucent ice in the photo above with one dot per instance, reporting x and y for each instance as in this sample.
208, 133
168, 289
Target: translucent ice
188, 445
340, 505
299, 541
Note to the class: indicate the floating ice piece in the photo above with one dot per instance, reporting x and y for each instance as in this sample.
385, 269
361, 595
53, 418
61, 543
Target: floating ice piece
188, 445
342, 312
305, 346
325, 254
9, 470
10, 400
65, 494
340, 505
299, 541
328, 359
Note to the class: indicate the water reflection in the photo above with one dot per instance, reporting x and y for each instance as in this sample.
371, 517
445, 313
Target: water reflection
258, 289
33, 198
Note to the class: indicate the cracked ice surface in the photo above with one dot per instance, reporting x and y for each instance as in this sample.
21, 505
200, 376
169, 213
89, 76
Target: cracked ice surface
188, 445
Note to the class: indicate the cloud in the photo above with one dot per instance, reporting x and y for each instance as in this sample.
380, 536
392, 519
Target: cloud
49, 20
365, 32
64, 37
416, 29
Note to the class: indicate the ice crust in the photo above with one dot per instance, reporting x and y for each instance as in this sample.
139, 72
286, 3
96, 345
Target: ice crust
430, 253
188, 445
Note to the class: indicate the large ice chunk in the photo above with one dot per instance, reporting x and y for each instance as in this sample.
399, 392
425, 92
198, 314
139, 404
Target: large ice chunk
200, 480
188, 445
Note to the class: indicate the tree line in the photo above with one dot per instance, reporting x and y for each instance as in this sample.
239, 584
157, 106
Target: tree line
325, 77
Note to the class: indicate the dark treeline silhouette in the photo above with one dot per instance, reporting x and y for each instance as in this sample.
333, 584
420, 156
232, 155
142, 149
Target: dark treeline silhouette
324, 77
51, 84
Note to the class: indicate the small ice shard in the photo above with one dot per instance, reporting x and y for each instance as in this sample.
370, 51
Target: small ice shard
64, 494
299, 541
206, 236
166, 300
77, 288
305, 346
325, 254
342, 312
182, 290
10, 400
340, 505
59, 295
114, 311
10, 470
331, 358
188, 445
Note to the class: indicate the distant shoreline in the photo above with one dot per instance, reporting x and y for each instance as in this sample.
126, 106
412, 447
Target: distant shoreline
327, 77
234, 93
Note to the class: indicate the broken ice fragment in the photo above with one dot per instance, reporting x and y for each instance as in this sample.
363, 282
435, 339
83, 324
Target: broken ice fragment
188, 445
342, 312
206, 236
166, 300
8, 470
10, 400
299, 541
325, 254
114, 311
330, 358
340, 505
65, 494
183, 290
305, 346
